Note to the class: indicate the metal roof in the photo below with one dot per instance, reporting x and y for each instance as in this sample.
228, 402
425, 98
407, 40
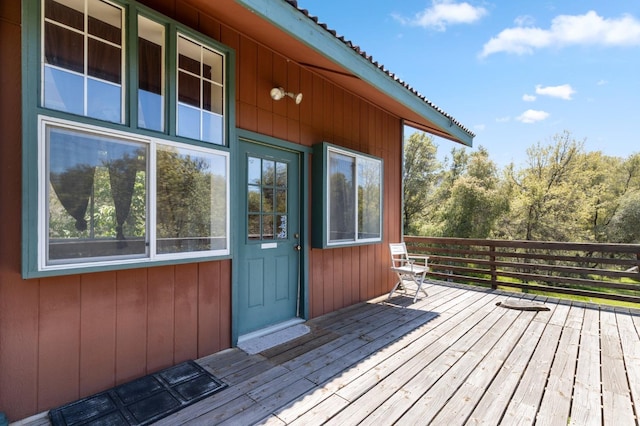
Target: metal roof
381, 67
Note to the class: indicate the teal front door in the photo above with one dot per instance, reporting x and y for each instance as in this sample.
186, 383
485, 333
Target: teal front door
269, 248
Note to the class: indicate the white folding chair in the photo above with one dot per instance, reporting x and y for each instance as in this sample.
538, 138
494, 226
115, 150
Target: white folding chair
408, 267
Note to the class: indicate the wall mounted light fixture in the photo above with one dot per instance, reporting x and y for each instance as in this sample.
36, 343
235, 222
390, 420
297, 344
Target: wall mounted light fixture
278, 93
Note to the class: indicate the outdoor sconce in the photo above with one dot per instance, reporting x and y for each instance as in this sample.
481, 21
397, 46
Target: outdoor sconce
278, 93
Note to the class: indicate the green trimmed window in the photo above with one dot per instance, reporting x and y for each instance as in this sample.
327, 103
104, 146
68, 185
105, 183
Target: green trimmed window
348, 197
128, 142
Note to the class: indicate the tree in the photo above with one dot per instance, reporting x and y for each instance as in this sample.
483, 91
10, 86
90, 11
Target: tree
624, 223
547, 200
474, 202
421, 175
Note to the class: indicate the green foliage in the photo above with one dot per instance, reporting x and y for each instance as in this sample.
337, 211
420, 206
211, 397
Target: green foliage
421, 177
562, 194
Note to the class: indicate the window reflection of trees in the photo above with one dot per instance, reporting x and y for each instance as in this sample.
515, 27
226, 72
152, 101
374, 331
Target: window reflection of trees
97, 192
191, 209
266, 199
369, 199
342, 197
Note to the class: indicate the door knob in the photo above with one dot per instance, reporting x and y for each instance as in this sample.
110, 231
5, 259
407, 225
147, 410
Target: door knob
297, 247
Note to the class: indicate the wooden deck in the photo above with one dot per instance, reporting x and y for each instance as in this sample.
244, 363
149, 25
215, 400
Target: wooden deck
451, 358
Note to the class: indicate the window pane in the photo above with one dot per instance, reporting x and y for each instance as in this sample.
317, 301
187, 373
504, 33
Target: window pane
97, 196
104, 61
212, 97
254, 227
213, 66
369, 187
253, 170
105, 21
342, 214
200, 78
189, 89
63, 48
267, 200
104, 100
70, 14
281, 200
268, 172
188, 121
150, 74
189, 56
63, 91
281, 174
212, 128
191, 201
267, 227
253, 199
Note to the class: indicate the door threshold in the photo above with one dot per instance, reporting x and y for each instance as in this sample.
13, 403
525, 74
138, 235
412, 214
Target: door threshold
274, 335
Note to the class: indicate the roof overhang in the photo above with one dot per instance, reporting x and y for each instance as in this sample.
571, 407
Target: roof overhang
295, 35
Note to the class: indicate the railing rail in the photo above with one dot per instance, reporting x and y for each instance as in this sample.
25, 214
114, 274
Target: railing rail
604, 271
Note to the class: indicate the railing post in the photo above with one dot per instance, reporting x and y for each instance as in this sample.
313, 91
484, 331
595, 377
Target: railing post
492, 266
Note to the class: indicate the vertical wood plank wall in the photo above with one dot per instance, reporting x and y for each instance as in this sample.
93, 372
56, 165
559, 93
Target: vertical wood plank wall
64, 338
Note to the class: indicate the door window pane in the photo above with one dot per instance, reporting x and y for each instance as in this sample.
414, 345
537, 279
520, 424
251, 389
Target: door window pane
266, 199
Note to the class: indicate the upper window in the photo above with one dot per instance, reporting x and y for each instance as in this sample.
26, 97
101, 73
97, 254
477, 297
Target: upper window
131, 161
151, 87
200, 92
83, 58
350, 185
84, 64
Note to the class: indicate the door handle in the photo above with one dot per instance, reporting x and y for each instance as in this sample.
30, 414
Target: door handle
297, 247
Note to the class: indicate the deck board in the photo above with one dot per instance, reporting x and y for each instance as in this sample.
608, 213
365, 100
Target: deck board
452, 358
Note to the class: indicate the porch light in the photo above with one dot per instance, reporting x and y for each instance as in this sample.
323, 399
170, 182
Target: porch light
278, 93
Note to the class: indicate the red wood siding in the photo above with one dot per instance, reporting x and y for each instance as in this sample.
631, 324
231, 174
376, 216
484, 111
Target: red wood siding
67, 337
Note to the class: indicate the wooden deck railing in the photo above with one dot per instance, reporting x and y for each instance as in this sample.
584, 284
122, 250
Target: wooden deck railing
604, 271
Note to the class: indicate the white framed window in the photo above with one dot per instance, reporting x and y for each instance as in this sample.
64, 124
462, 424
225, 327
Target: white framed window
111, 197
200, 83
151, 74
347, 197
83, 58
121, 175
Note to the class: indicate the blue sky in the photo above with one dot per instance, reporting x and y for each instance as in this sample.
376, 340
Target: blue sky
515, 72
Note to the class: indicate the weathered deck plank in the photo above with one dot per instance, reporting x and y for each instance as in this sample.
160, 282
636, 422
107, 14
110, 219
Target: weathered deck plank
616, 401
586, 408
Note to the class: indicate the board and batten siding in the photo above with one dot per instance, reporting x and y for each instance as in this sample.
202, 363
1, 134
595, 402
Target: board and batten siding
64, 338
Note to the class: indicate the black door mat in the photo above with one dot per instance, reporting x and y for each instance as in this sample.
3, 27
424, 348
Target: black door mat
143, 400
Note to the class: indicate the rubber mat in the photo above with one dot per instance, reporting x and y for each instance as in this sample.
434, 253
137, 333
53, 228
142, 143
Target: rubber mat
141, 401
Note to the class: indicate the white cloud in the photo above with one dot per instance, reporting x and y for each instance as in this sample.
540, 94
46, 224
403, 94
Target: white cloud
528, 98
564, 91
602, 83
503, 119
443, 13
566, 30
524, 21
532, 116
